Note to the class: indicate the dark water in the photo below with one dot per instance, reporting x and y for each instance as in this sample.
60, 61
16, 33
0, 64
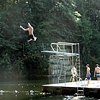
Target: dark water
31, 90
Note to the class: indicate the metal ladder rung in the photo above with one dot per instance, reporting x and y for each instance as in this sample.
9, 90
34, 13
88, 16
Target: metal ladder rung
80, 90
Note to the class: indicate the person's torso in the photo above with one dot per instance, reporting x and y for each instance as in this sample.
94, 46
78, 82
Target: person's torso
97, 69
88, 70
30, 31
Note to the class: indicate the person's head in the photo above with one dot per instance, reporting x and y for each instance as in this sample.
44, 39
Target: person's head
29, 25
87, 65
97, 65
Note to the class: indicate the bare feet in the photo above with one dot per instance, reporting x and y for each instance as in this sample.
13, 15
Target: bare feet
35, 38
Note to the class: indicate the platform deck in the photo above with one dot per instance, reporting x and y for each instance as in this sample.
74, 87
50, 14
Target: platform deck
70, 88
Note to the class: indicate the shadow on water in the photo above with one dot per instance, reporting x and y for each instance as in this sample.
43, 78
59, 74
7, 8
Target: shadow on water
31, 90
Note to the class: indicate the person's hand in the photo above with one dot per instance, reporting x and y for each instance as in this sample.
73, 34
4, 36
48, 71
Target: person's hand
21, 26
28, 23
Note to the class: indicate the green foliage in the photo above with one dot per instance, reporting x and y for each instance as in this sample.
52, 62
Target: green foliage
85, 36
89, 26
53, 21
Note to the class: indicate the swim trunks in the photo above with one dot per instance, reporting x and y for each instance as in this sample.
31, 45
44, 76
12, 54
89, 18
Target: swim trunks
30, 37
89, 76
98, 75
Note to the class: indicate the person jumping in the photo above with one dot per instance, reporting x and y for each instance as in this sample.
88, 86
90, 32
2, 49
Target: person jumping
30, 30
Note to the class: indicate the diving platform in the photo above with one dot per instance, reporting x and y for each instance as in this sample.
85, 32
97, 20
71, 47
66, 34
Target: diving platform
60, 53
70, 88
63, 56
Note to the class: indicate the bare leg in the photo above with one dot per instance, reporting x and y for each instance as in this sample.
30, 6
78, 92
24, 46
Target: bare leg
29, 40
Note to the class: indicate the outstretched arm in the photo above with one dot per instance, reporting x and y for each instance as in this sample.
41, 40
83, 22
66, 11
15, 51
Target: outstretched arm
25, 29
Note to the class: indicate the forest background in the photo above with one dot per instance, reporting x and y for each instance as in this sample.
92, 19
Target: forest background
53, 21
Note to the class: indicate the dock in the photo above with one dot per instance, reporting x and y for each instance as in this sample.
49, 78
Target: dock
64, 60
70, 88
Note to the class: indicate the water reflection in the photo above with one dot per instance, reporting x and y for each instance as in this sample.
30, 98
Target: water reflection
39, 96
31, 90
61, 97
24, 97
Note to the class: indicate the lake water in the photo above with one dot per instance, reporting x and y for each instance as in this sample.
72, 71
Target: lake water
31, 90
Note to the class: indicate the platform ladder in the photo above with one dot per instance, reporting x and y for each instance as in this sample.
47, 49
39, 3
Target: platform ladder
80, 90
61, 69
